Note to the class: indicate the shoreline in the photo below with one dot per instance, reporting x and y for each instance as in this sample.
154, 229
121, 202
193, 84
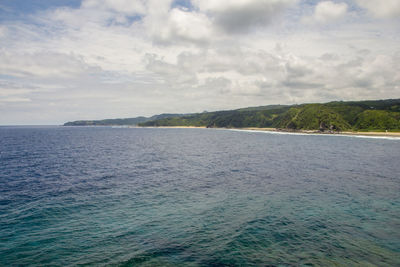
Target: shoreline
277, 130
388, 134
348, 133
174, 127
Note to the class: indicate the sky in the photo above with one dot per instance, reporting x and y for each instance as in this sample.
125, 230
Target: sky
68, 60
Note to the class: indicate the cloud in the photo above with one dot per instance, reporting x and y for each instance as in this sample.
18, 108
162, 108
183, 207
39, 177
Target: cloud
240, 16
130, 58
41, 64
175, 75
327, 11
99, 12
180, 26
3, 31
377, 72
15, 99
165, 25
381, 9
129, 7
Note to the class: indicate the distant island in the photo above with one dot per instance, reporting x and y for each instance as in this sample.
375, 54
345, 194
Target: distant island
338, 116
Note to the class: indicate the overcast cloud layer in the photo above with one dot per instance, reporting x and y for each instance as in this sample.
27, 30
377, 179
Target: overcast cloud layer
124, 58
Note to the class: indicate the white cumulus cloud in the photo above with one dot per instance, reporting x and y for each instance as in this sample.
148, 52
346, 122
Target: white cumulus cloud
327, 11
182, 26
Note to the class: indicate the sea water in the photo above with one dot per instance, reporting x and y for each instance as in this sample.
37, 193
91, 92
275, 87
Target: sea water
196, 197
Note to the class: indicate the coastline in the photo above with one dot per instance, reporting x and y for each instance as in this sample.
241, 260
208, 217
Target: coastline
381, 134
277, 130
173, 127
370, 134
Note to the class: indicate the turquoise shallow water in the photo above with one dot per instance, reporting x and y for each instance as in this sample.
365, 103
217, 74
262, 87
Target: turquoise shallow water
196, 197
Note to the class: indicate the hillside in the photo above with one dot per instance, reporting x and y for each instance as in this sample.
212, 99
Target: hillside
379, 115
117, 122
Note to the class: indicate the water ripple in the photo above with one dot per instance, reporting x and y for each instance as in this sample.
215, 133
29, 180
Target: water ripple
196, 197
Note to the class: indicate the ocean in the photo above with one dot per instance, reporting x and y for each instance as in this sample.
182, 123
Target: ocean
103, 196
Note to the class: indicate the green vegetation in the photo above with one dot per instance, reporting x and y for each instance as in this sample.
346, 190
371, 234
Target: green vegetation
128, 121
314, 117
380, 115
377, 115
231, 119
378, 120
116, 122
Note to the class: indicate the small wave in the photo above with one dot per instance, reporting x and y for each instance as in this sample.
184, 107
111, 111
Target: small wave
317, 134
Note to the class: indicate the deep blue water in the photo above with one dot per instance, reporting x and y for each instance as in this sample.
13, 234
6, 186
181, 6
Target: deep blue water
196, 197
